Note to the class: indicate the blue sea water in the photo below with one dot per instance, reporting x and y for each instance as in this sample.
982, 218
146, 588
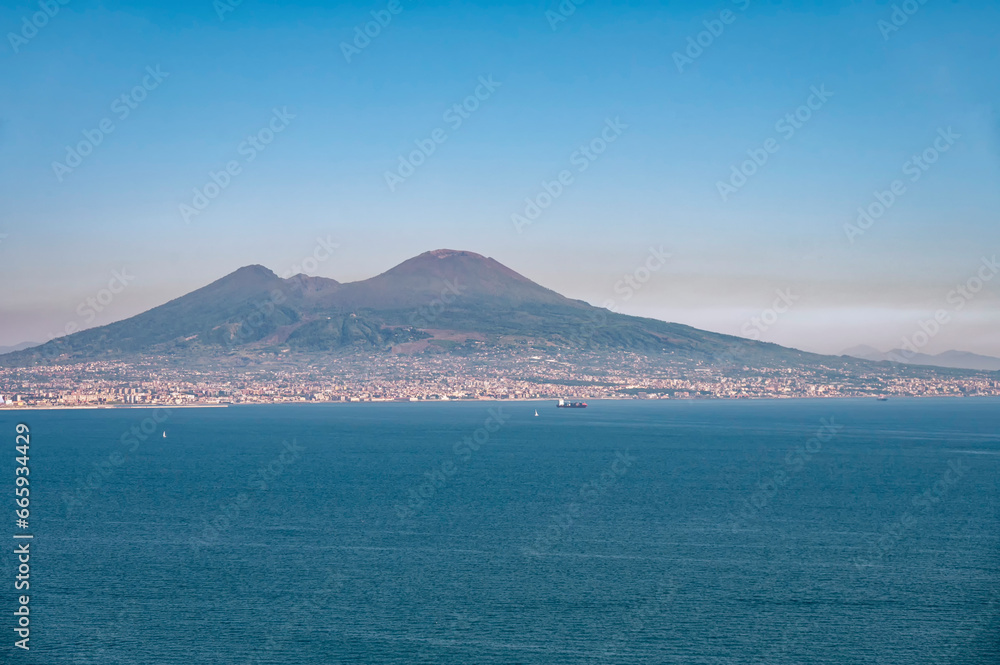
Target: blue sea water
778, 532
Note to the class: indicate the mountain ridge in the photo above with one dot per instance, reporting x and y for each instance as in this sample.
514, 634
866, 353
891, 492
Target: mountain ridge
451, 301
951, 359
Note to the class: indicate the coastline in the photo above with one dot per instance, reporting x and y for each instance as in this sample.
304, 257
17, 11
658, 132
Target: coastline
488, 400
111, 407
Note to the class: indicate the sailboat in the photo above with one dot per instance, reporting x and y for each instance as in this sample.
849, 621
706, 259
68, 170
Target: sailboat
164, 434
536, 413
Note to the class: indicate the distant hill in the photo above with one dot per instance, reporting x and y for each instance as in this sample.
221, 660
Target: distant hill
950, 359
17, 347
439, 301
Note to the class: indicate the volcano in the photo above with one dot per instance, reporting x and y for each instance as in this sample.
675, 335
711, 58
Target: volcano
456, 296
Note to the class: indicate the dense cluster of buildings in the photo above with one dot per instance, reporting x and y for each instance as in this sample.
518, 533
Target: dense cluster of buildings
494, 375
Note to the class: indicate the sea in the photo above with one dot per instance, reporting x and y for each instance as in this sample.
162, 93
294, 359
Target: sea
658, 531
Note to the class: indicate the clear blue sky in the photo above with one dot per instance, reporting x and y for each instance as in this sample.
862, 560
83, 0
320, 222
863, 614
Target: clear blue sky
324, 174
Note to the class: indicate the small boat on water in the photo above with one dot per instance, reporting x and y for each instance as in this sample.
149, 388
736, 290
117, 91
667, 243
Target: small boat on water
563, 404
536, 413
164, 434
882, 398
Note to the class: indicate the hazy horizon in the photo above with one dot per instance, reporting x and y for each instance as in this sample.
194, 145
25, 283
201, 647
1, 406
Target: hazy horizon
88, 306
541, 87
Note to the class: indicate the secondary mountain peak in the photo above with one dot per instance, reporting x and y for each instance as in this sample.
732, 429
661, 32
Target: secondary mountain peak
239, 284
255, 269
309, 283
248, 276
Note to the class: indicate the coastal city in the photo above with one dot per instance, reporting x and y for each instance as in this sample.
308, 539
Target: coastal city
154, 381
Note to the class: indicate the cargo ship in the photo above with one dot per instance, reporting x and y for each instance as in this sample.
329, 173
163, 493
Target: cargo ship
563, 404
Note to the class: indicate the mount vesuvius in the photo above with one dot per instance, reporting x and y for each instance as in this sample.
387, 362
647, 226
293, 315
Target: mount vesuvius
438, 302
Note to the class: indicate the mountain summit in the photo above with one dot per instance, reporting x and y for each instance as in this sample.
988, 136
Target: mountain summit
469, 277
440, 301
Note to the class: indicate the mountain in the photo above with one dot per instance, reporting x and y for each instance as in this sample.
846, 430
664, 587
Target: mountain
433, 275
17, 347
949, 359
439, 301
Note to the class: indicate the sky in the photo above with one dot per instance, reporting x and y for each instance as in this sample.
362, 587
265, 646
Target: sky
147, 149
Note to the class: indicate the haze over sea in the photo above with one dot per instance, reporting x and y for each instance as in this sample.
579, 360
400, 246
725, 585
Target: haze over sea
785, 531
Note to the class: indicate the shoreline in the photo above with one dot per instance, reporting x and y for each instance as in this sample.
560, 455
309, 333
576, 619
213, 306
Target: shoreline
490, 400
112, 407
